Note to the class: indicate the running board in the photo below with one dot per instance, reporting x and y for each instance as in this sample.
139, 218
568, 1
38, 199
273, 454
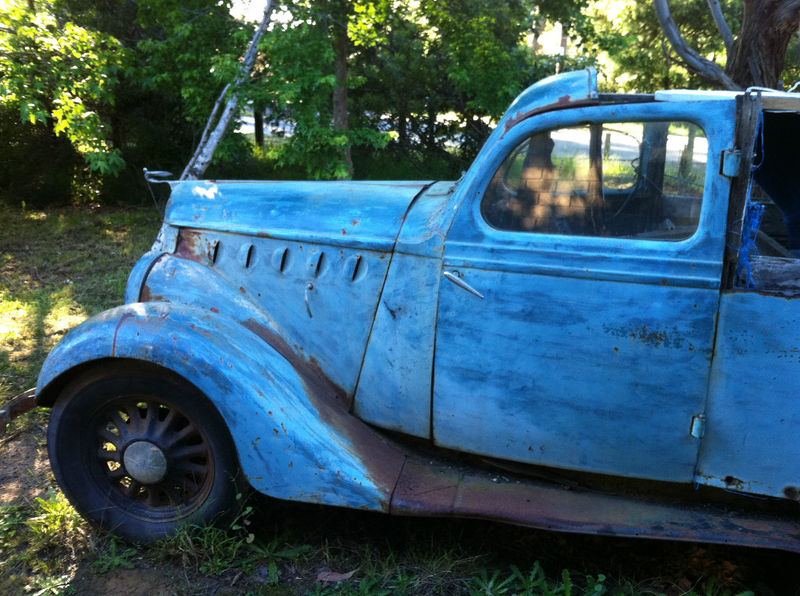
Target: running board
426, 489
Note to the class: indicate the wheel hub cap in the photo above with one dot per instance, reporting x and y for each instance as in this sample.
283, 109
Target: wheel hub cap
145, 462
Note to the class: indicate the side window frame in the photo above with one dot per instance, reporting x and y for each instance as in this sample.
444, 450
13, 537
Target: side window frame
538, 204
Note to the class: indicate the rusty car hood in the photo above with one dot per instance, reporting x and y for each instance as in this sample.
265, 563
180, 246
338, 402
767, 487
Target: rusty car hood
362, 214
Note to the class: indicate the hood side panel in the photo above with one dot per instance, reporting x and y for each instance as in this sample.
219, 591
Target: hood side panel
319, 299
363, 215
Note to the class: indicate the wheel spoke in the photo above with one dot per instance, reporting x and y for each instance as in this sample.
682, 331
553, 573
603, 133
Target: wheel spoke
152, 496
174, 496
153, 425
117, 473
117, 420
108, 454
164, 425
190, 487
109, 437
132, 490
190, 467
189, 451
182, 434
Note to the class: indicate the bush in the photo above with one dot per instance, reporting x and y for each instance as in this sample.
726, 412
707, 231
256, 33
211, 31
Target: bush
36, 166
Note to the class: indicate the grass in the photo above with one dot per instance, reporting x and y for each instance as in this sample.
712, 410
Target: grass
60, 266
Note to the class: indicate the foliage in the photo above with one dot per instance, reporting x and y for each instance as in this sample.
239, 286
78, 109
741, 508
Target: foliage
641, 59
298, 80
59, 74
111, 560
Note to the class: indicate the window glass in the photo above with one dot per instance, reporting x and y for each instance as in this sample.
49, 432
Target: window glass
627, 180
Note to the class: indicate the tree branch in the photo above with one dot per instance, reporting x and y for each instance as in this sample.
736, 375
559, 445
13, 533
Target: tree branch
694, 61
208, 143
722, 24
788, 11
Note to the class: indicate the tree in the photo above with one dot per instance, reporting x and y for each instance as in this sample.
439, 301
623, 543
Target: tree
756, 57
58, 74
307, 79
626, 33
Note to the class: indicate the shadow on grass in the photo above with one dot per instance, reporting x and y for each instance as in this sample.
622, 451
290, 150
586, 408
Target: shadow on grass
58, 267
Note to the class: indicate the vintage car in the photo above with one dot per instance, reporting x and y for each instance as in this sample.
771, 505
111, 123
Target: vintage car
596, 329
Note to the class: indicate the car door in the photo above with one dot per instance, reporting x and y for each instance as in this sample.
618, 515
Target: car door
577, 312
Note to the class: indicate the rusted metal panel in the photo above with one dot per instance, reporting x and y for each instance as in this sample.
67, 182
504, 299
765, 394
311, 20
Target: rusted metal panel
553, 93
17, 406
427, 222
582, 374
442, 490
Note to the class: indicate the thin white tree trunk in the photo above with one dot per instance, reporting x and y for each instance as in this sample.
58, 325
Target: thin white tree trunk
213, 133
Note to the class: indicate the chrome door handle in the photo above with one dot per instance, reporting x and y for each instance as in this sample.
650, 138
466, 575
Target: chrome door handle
455, 277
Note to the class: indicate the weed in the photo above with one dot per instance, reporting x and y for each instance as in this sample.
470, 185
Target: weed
491, 585
56, 521
207, 549
534, 583
11, 517
113, 560
50, 586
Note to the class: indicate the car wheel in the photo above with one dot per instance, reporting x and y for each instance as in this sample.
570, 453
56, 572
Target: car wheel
140, 452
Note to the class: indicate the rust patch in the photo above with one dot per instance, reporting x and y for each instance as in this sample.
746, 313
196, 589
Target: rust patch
733, 482
356, 221
190, 245
344, 232
644, 334
242, 290
657, 338
428, 488
382, 458
561, 103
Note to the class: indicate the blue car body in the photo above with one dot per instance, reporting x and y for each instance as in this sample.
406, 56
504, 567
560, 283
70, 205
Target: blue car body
389, 346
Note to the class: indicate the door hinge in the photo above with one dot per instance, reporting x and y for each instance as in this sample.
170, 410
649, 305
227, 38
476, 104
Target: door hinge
731, 163
698, 428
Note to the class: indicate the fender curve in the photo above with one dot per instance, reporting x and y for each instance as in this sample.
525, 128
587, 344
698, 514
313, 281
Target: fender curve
295, 440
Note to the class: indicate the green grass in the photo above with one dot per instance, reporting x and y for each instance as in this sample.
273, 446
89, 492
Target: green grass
60, 266
57, 268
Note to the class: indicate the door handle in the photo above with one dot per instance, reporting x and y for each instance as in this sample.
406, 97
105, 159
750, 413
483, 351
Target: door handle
455, 277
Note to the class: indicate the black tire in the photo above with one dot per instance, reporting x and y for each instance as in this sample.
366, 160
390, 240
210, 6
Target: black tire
105, 420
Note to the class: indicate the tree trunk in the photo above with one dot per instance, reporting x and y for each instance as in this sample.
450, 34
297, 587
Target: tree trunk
258, 123
340, 108
759, 52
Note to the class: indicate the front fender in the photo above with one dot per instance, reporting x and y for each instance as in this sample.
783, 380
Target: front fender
294, 439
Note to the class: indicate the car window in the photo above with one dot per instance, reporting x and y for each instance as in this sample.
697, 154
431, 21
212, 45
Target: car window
627, 180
